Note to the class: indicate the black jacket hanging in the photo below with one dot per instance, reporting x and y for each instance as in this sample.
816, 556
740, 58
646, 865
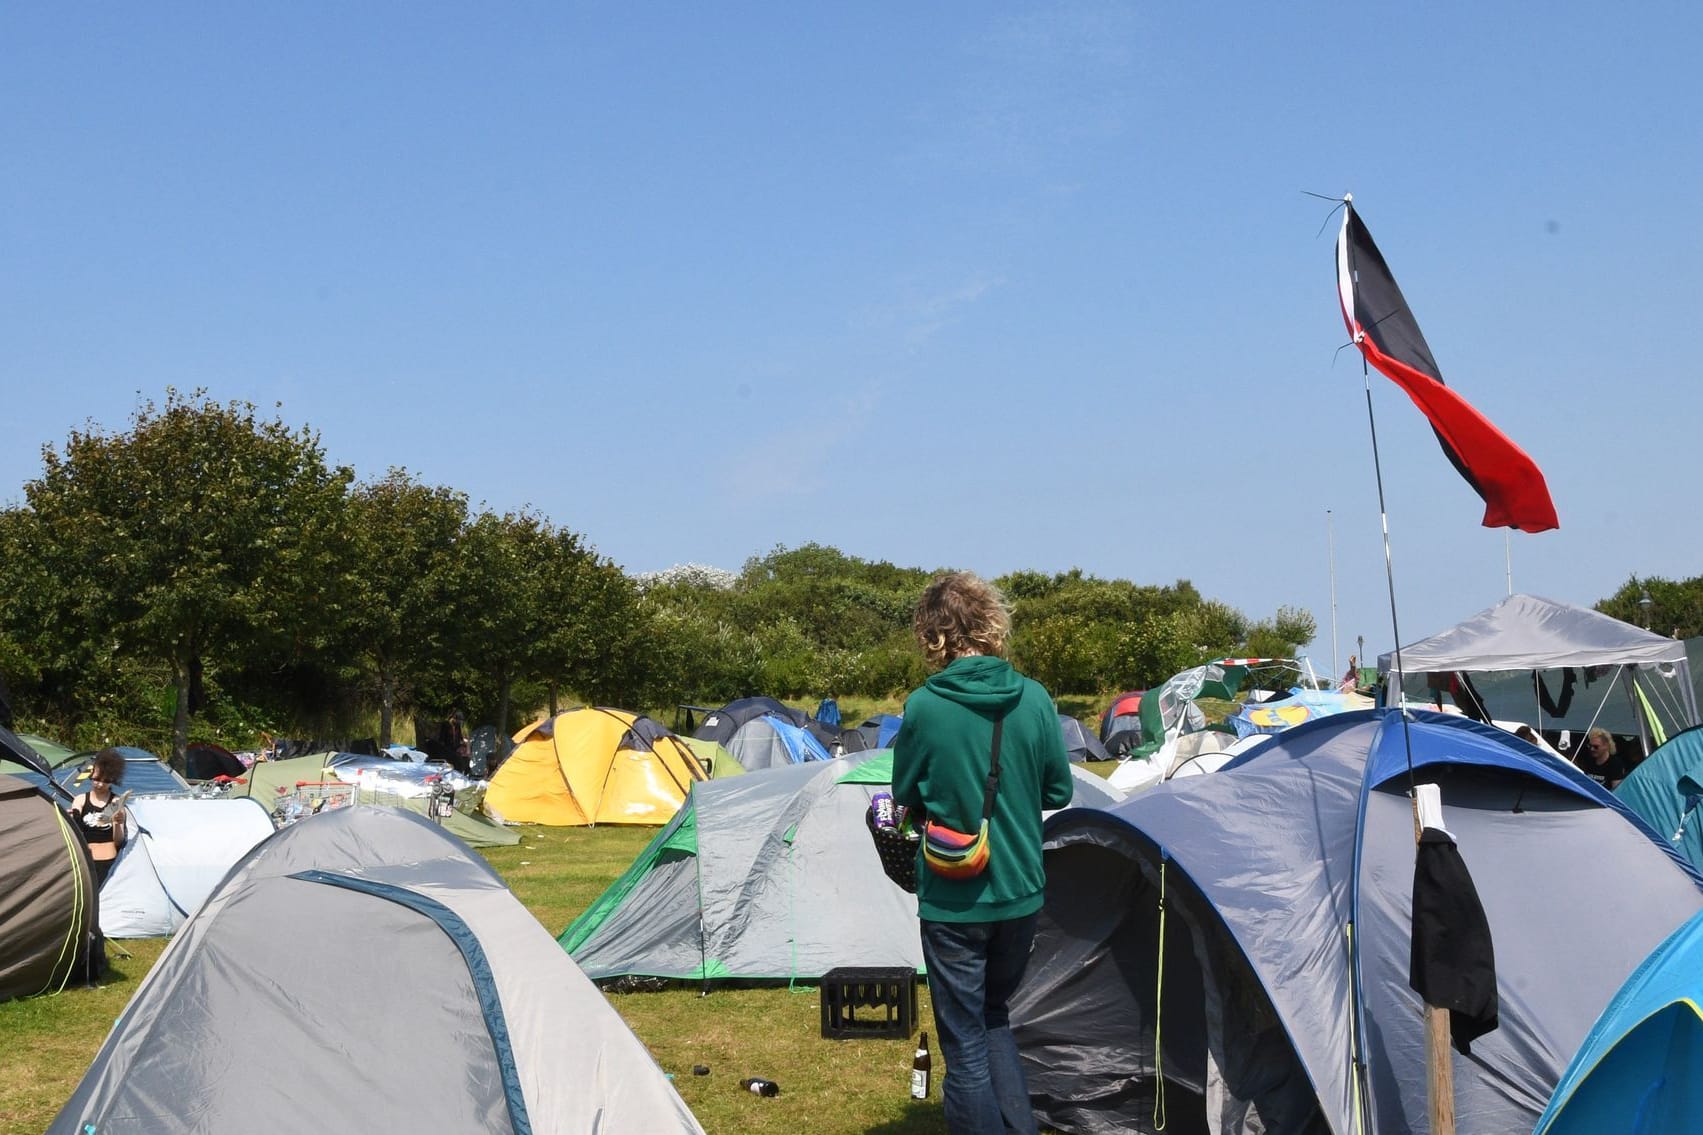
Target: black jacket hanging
1453, 963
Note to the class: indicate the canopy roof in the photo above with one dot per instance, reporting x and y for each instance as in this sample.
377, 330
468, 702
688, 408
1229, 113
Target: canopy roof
1529, 632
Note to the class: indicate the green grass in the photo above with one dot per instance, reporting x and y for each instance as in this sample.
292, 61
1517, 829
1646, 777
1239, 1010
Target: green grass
827, 1087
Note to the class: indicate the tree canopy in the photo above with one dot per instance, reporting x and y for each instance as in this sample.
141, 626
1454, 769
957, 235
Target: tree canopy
208, 572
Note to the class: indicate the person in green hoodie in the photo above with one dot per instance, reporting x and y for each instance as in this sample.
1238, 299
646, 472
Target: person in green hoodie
977, 932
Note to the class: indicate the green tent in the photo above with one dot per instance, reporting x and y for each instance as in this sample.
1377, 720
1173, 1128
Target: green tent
717, 761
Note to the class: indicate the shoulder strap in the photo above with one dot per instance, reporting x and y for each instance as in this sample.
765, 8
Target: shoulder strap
992, 789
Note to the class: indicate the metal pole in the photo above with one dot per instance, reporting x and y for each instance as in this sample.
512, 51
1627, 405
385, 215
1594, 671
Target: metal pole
1330, 533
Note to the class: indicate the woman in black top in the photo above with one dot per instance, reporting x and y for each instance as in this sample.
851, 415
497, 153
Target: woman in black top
104, 834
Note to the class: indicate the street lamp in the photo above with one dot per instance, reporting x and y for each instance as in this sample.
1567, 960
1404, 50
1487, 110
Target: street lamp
1644, 605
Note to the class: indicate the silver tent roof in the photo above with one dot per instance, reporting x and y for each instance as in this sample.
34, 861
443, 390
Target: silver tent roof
364, 971
1529, 632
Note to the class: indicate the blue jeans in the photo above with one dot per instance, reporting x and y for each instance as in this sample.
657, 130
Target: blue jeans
973, 969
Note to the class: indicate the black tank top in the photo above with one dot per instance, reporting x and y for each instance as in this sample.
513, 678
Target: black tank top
92, 832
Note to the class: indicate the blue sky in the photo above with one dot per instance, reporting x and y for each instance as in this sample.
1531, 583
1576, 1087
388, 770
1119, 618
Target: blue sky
984, 285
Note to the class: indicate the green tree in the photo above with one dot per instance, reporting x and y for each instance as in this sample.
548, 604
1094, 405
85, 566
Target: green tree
1065, 653
590, 635
1282, 635
201, 531
1675, 607
403, 542
494, 590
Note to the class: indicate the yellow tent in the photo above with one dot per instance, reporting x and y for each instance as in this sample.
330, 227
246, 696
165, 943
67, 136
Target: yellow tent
593, 766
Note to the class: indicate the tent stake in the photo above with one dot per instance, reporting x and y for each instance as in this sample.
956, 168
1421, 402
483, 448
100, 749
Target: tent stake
1439, 1063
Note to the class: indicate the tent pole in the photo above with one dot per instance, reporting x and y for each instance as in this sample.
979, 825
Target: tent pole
1688, 695
1440, 1083
1629, 679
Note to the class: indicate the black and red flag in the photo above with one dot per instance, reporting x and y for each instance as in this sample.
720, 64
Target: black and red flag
1383, 327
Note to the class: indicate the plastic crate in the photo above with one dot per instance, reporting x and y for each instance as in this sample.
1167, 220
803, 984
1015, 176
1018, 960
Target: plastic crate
887, 998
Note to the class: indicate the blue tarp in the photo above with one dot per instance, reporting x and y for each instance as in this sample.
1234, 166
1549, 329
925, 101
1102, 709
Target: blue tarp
1300, 707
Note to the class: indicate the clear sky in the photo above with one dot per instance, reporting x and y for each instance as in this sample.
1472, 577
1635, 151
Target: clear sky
982, 285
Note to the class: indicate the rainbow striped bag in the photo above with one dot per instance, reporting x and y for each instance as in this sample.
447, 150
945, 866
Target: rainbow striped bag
953, 854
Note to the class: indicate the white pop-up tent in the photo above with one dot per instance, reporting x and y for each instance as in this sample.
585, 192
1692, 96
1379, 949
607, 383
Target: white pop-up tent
1530, 633
179, 849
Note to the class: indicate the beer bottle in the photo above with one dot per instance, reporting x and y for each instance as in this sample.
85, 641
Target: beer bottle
761, 1086
920, 1065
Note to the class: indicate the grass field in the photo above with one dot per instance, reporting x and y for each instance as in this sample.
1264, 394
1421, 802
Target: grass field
827, 1087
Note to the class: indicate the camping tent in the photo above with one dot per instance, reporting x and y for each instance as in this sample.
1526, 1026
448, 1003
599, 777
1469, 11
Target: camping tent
1287, 877
1170, 711
179, 848
769, 876
363, 971
593, 766
720, 725
47, 892
21, 759
717, 761
879, 730
281, 785
207, 761
1079, 744
768, 741
1667, 792
1120, 725
1177, 755
144, 774
1274, 715
1641, 1067
1531, 634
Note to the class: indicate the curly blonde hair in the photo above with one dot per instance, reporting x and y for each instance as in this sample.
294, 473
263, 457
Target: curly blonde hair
961, 613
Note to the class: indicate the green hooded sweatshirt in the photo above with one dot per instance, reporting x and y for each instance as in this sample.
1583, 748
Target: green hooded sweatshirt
940, 762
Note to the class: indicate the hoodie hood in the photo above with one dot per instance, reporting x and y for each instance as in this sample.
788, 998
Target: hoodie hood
985, 684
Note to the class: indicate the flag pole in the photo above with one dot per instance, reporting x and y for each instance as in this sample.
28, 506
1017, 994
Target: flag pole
1439, 1064
1330, 536
1439, 1077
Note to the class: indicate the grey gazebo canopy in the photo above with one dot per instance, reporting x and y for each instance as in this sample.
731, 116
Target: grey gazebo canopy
1529, 632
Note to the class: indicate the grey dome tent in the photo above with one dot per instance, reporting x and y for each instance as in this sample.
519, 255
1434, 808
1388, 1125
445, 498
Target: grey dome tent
768, 876
364, 971
1284, 934
721, 724
47, 893
1079, 743
771, 741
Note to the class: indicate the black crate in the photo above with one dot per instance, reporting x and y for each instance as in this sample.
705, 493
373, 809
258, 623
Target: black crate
887, 996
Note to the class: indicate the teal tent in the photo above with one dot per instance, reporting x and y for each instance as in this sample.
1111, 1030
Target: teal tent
1667, 793
1640, 1068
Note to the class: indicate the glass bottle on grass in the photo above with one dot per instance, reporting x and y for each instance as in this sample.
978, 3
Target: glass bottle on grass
921, 1065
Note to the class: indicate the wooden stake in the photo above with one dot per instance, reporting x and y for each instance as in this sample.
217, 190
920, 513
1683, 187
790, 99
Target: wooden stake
1439, 1060
1440, 1071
